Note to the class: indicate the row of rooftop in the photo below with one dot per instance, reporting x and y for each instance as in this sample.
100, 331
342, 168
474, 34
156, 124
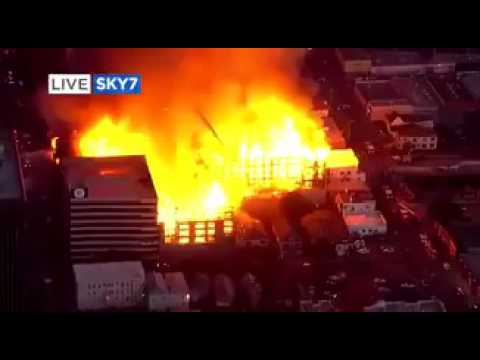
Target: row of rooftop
420, 95
375, 62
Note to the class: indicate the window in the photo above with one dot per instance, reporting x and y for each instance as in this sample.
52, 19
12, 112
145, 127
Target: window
432, 139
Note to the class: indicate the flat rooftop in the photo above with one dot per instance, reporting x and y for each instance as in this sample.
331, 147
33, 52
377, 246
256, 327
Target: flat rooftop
392, 58
450, 90
374, 219
412, 130
418, 91
472, 84
379, 90
454, 58
120, 177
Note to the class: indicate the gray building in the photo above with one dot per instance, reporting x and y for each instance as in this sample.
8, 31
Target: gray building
113, 209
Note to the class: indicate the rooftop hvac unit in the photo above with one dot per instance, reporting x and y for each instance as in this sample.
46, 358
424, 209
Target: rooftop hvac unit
113, 209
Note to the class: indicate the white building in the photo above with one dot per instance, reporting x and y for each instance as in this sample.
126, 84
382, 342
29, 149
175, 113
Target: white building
109, 285
349, 202
395, 121
380, 98
342, 165
420, 138
365, 224
346, 174
433, 305
342, 173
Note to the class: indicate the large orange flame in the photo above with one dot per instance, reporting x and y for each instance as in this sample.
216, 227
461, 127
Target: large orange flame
267, 143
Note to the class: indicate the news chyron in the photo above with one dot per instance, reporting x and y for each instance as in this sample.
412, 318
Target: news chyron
94, 84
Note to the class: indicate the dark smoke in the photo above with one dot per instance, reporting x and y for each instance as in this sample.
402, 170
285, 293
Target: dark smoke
176, 82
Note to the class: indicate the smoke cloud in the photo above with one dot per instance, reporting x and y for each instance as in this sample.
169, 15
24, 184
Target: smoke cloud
177, 84
198, 108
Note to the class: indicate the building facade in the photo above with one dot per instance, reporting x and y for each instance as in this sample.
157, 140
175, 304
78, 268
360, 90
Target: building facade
355, 202
354, 61
366, 224
418, 137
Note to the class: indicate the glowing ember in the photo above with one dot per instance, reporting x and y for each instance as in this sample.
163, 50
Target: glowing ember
267, 143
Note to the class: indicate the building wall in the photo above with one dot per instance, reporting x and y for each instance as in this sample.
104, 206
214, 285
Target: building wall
344, 179
366, 230
357, 66
108, 289
346, 173
419, 143
379, 111
353, 66
356, 208
391, 70
378, 227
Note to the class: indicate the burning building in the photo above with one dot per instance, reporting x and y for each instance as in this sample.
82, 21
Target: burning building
215, 137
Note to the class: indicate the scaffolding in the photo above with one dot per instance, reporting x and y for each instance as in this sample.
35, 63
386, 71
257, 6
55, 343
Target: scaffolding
282, 171
208, 231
